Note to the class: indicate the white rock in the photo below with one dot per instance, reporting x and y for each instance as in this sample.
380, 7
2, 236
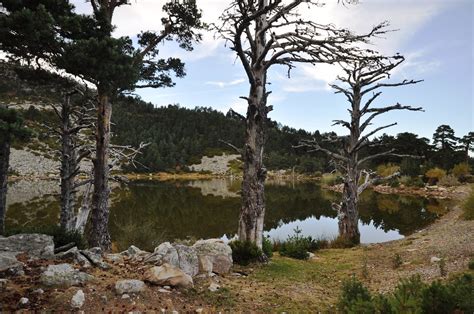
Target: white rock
435, 259
129, 286
78, 299
213, 287
24, 301
125, 296
215, 252
168, 275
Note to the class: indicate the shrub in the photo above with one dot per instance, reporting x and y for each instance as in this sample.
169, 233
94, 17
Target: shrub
468, 207
461, 171
354, 297
245, 252
411, 296
267, 247
297, 246
397, 261
434, 175
60, 236
471, 264
387, 169
394, 183
449, 180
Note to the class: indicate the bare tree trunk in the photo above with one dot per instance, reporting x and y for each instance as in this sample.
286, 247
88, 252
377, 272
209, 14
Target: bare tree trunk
99, 235
4, 164
348, 213
252, 213
68, 168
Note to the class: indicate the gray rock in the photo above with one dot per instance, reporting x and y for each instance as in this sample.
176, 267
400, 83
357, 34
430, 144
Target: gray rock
9, 263
168, 275
188, 259
63, 275
38, 291
125, 296
216, 253
75, 255
35, 245
23, 302
78, 299
129, 286
135, 253
114, 258
178, 255
94, 255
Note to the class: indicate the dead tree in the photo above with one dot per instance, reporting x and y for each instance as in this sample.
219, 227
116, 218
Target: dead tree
264, 33
362, 82
73, 118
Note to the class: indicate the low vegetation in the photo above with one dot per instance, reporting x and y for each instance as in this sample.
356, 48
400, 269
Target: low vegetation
410, 296
468, 206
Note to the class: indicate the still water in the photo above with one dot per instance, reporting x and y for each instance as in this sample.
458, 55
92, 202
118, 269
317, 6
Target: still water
145, 213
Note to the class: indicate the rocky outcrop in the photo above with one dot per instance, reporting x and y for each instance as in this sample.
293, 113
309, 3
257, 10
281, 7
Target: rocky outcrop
78, 299
178, 255
215, 164
214, 256
34, 245
63, 275
168, 275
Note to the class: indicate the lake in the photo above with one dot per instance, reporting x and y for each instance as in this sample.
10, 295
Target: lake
146, 213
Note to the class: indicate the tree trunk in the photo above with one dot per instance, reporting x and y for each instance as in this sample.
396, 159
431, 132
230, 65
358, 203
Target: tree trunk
252, 213
99, 234
4, 163
349, 214
68, 168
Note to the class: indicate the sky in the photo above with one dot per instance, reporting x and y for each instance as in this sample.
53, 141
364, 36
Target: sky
435, 36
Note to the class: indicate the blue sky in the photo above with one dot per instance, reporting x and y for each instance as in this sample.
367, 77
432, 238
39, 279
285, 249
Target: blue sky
435, 36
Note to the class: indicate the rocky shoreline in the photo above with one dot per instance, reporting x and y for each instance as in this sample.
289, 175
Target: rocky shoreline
32, 270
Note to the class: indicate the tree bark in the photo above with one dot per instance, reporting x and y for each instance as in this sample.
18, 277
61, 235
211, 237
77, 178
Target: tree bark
252, 213
68, 168
348, 214
99, 234
4, 163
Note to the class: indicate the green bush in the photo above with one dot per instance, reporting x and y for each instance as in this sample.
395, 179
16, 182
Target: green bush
468, 206
411, 296
355, 298
267, 247
411, 181
245, 252
387, 170
60, 235
471, 264
297, 246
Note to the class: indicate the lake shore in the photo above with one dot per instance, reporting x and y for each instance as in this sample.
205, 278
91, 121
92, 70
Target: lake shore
283, 285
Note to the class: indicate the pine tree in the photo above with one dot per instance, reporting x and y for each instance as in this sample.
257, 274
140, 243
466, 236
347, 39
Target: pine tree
11, 128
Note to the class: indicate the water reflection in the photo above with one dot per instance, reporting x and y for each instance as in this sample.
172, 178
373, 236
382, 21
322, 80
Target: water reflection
148, 212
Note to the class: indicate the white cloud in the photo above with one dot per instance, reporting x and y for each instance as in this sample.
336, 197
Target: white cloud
226, 84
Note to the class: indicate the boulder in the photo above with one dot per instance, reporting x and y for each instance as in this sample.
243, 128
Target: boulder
78, 299
35, 245
178, 255
9, 264
168, 275
63, 275
129, 286
214, 256
75, 255
114, 258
